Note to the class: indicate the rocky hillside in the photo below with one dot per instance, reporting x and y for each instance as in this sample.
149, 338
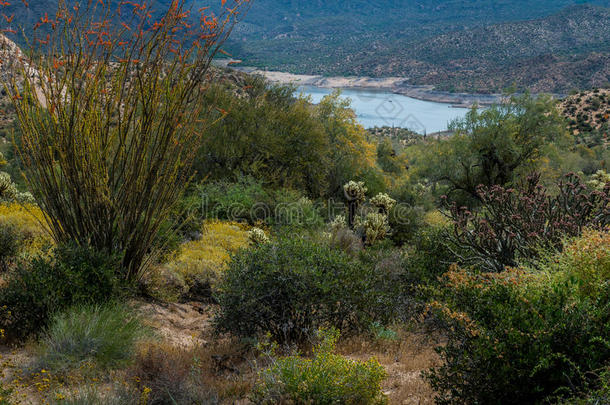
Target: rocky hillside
588, 114
456, 46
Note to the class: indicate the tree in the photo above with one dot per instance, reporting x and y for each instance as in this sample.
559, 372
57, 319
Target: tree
495, 145
107, 101
268, 134
351, 155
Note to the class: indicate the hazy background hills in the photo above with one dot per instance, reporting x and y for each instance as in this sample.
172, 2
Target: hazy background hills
458, 45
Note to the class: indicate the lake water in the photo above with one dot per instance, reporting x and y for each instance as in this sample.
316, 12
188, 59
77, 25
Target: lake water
382, 108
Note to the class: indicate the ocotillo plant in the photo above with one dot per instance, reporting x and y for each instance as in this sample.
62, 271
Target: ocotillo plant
108, 101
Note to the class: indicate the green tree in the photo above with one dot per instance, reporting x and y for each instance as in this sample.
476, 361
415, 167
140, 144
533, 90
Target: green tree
494, 145
268, 134
351, 155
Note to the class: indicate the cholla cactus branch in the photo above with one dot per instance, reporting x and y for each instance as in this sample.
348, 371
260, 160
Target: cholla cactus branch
383, 202
258, 237
355, 193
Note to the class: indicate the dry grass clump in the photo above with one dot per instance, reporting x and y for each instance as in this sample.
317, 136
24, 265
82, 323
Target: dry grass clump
198, 374
404, 357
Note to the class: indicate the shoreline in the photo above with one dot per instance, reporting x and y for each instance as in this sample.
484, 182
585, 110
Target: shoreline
397, 85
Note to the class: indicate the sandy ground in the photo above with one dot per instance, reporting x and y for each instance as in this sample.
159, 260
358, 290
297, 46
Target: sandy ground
189, 325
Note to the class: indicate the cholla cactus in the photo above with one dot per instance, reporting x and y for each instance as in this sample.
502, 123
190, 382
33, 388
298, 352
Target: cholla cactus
599, 180
375, 227
25, 198
384, 202
355, 191
8, 191
338, 223
258, 236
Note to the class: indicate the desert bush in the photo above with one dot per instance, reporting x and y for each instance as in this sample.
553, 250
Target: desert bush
248, 201
292, 211
198, 266
514, 224
327, 378
522, 336
28, 221
234, 201
105, 335
10, 243
35, 291
343, 238
405, 223
108, 170
430, 256
291, 287
172, 374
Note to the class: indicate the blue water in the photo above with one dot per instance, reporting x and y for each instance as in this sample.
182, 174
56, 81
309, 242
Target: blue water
382, 108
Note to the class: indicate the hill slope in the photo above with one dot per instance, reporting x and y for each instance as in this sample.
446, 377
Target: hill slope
457, 45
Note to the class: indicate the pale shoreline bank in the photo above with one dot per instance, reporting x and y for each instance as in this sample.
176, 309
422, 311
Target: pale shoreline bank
396, 85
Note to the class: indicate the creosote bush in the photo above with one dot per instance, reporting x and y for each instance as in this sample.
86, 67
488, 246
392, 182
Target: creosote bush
108, 115
291, 287
33, 292
525, 336
327, 378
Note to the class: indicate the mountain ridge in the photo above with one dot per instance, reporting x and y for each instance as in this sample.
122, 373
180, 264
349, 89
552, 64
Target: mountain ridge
452, 56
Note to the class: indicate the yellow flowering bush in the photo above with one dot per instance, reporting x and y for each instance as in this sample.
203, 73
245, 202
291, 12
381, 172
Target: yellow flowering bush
327, 378
28, 220
199, 264
588, 258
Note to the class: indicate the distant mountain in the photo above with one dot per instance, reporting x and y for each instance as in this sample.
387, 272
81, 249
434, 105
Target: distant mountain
456, 45
460, 45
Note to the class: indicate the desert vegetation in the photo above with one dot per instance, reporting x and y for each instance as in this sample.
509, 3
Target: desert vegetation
175, 233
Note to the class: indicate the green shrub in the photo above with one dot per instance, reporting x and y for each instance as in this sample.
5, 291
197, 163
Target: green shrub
248, 201
326, 379
292, 287
234, 201
430, 256
291, 209
32, 293
523, 337
597, 396
10, 241
105, 335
